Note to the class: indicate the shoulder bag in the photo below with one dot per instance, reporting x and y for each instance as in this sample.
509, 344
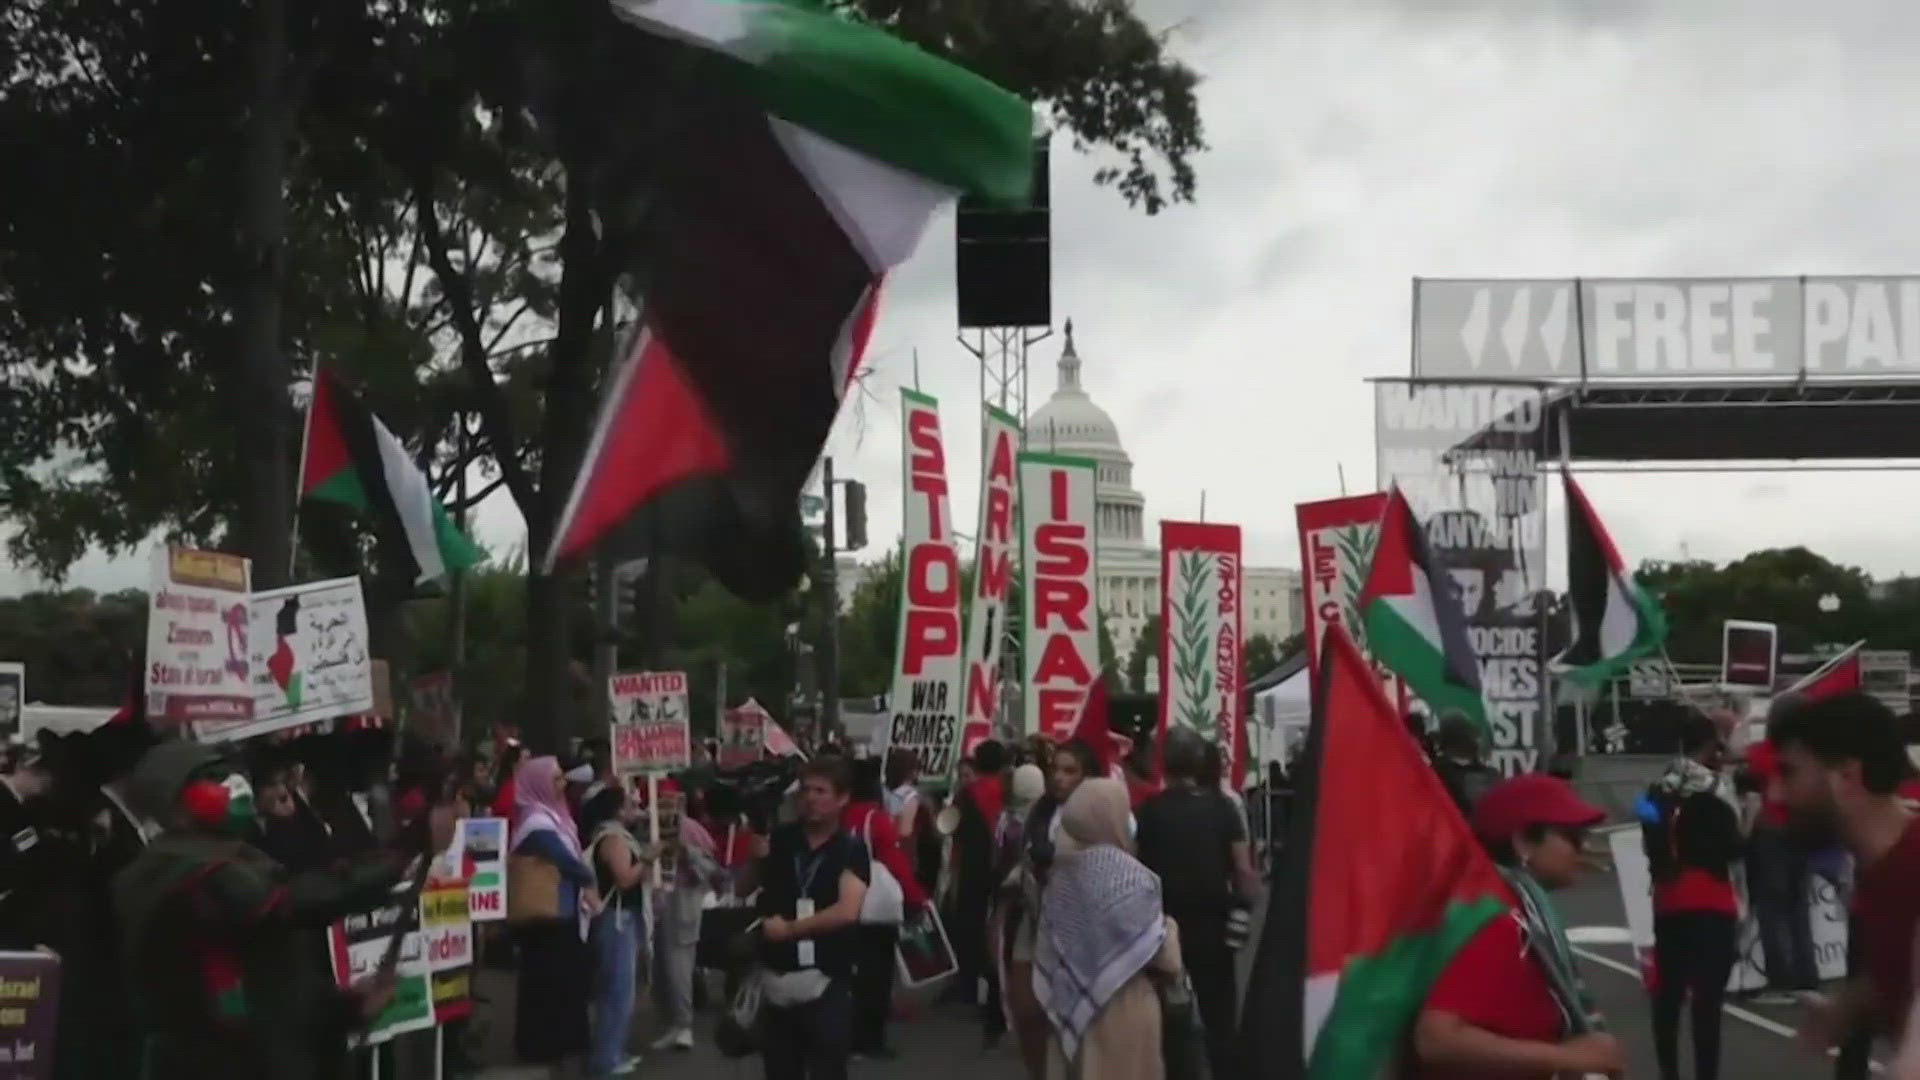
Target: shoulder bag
886, 902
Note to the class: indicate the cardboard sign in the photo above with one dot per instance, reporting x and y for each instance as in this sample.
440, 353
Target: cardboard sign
483, 843
995, 547
743, 735
1061, 624
29, 1014
199, 644
650, 732
924, 708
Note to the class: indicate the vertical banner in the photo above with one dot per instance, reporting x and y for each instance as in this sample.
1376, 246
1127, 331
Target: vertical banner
650, 732
1466, 456
993, 554
923, 712
1060, 628
1337, 540
199, 647
1200, 641
29, 1014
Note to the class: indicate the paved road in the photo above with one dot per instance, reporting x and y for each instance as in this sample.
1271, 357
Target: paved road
943, 1045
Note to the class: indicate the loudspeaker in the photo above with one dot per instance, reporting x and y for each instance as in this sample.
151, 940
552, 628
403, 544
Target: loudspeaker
1003, 260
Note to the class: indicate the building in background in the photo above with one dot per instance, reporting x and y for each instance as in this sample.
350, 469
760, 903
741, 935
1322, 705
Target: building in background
1129, 564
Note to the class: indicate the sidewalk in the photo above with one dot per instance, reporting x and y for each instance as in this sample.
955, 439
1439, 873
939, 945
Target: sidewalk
939, 1045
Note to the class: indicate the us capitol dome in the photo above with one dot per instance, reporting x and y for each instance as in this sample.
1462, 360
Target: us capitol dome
1129, 565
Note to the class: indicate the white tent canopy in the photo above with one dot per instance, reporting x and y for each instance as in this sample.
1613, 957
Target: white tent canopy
1279, 721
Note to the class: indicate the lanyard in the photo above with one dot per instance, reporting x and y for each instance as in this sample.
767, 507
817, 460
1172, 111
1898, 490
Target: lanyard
804, 880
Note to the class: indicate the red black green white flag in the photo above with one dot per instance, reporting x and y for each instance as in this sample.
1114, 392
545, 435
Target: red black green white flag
1615, 621
1414, 623
806, 160
351, 458
1383, 885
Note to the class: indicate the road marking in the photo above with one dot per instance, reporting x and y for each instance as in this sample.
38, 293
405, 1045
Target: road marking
1763, 1023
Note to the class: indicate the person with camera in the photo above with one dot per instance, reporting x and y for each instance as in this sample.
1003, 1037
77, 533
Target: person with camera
812, 880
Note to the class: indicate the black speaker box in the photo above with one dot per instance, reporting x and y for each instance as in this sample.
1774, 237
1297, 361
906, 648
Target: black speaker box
1003, 260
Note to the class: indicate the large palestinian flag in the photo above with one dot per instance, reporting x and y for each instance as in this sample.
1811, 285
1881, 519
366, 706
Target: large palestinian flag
1615, 621
804, 160
1384, 884
350, 458
1413, 619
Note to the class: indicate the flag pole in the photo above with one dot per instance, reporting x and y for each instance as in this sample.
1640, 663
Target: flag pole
300, 478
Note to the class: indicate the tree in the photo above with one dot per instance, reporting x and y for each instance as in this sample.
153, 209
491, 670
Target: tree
1146, 653
412, 142
77, 646
1779, 585
869, 630
1259, 657
1109, 663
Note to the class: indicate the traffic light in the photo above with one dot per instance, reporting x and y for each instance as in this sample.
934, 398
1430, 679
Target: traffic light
856, 530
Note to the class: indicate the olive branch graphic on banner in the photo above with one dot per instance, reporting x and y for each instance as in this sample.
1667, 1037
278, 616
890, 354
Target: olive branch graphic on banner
1356, 544
1193, 649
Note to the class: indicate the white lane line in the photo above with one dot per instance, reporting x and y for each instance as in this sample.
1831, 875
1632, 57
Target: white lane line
1763, 1023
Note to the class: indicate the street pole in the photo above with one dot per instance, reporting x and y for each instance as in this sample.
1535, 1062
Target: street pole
830, 645
606, 621
457, 603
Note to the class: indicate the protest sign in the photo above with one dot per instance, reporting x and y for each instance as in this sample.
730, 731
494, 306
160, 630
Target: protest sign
483, 843
29, 1014
308, 659
359, 944
1200, 645
199, 648
446, 938
923, 709
743, 735
13, 699
924, 957
993, 560
1467, 458
1060, 629
650, 732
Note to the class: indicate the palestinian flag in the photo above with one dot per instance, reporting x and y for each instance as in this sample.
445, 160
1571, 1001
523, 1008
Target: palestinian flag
351, 458
806, 161
1615, 621
1387, 885
1413, 619
1840, 675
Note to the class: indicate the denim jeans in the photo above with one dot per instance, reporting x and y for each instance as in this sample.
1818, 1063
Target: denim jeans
811, 1041
615, 940
1777, 880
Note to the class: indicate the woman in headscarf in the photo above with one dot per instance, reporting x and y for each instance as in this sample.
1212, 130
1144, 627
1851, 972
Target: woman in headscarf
1073, 763
550, 1019
1103, 938
620, 866
1511, 1002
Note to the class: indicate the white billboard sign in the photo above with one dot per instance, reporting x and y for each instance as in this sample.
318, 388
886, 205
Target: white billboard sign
1667, 328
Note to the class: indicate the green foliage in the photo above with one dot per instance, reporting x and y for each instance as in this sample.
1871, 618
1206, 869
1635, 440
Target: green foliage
1109, 662
869, 628
1259, 657
77, 646
1780, 585
1146, 651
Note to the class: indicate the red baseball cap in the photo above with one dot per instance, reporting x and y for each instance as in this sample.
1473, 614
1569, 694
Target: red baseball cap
1534, 799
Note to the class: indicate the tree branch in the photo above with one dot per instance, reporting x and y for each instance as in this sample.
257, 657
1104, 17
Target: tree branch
494, 419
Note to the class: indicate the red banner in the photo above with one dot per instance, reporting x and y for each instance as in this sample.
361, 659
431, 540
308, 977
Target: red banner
1337, 538
1202, 679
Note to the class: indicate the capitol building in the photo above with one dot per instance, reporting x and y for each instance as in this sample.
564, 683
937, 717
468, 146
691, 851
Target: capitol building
1129, 564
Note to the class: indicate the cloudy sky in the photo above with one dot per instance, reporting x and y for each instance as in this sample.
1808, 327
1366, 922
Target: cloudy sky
1360, 143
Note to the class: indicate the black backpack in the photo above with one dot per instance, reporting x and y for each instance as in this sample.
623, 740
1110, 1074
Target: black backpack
1697, 830
1660, 813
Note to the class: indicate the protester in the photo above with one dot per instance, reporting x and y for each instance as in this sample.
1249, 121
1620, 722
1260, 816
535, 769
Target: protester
1511, 1003
620, 868
1103, 936
696, 873
551, 1001
866, 819
219, 972
1691, 831
812, 882
1072, 763
1840, 765
912, 817
23, 858
980, 804
1191, 835
1778, 876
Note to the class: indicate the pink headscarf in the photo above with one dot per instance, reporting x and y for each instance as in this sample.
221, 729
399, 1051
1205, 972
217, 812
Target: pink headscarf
538, 804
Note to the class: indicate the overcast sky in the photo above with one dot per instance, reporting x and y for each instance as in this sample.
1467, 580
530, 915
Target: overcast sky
1360, 143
